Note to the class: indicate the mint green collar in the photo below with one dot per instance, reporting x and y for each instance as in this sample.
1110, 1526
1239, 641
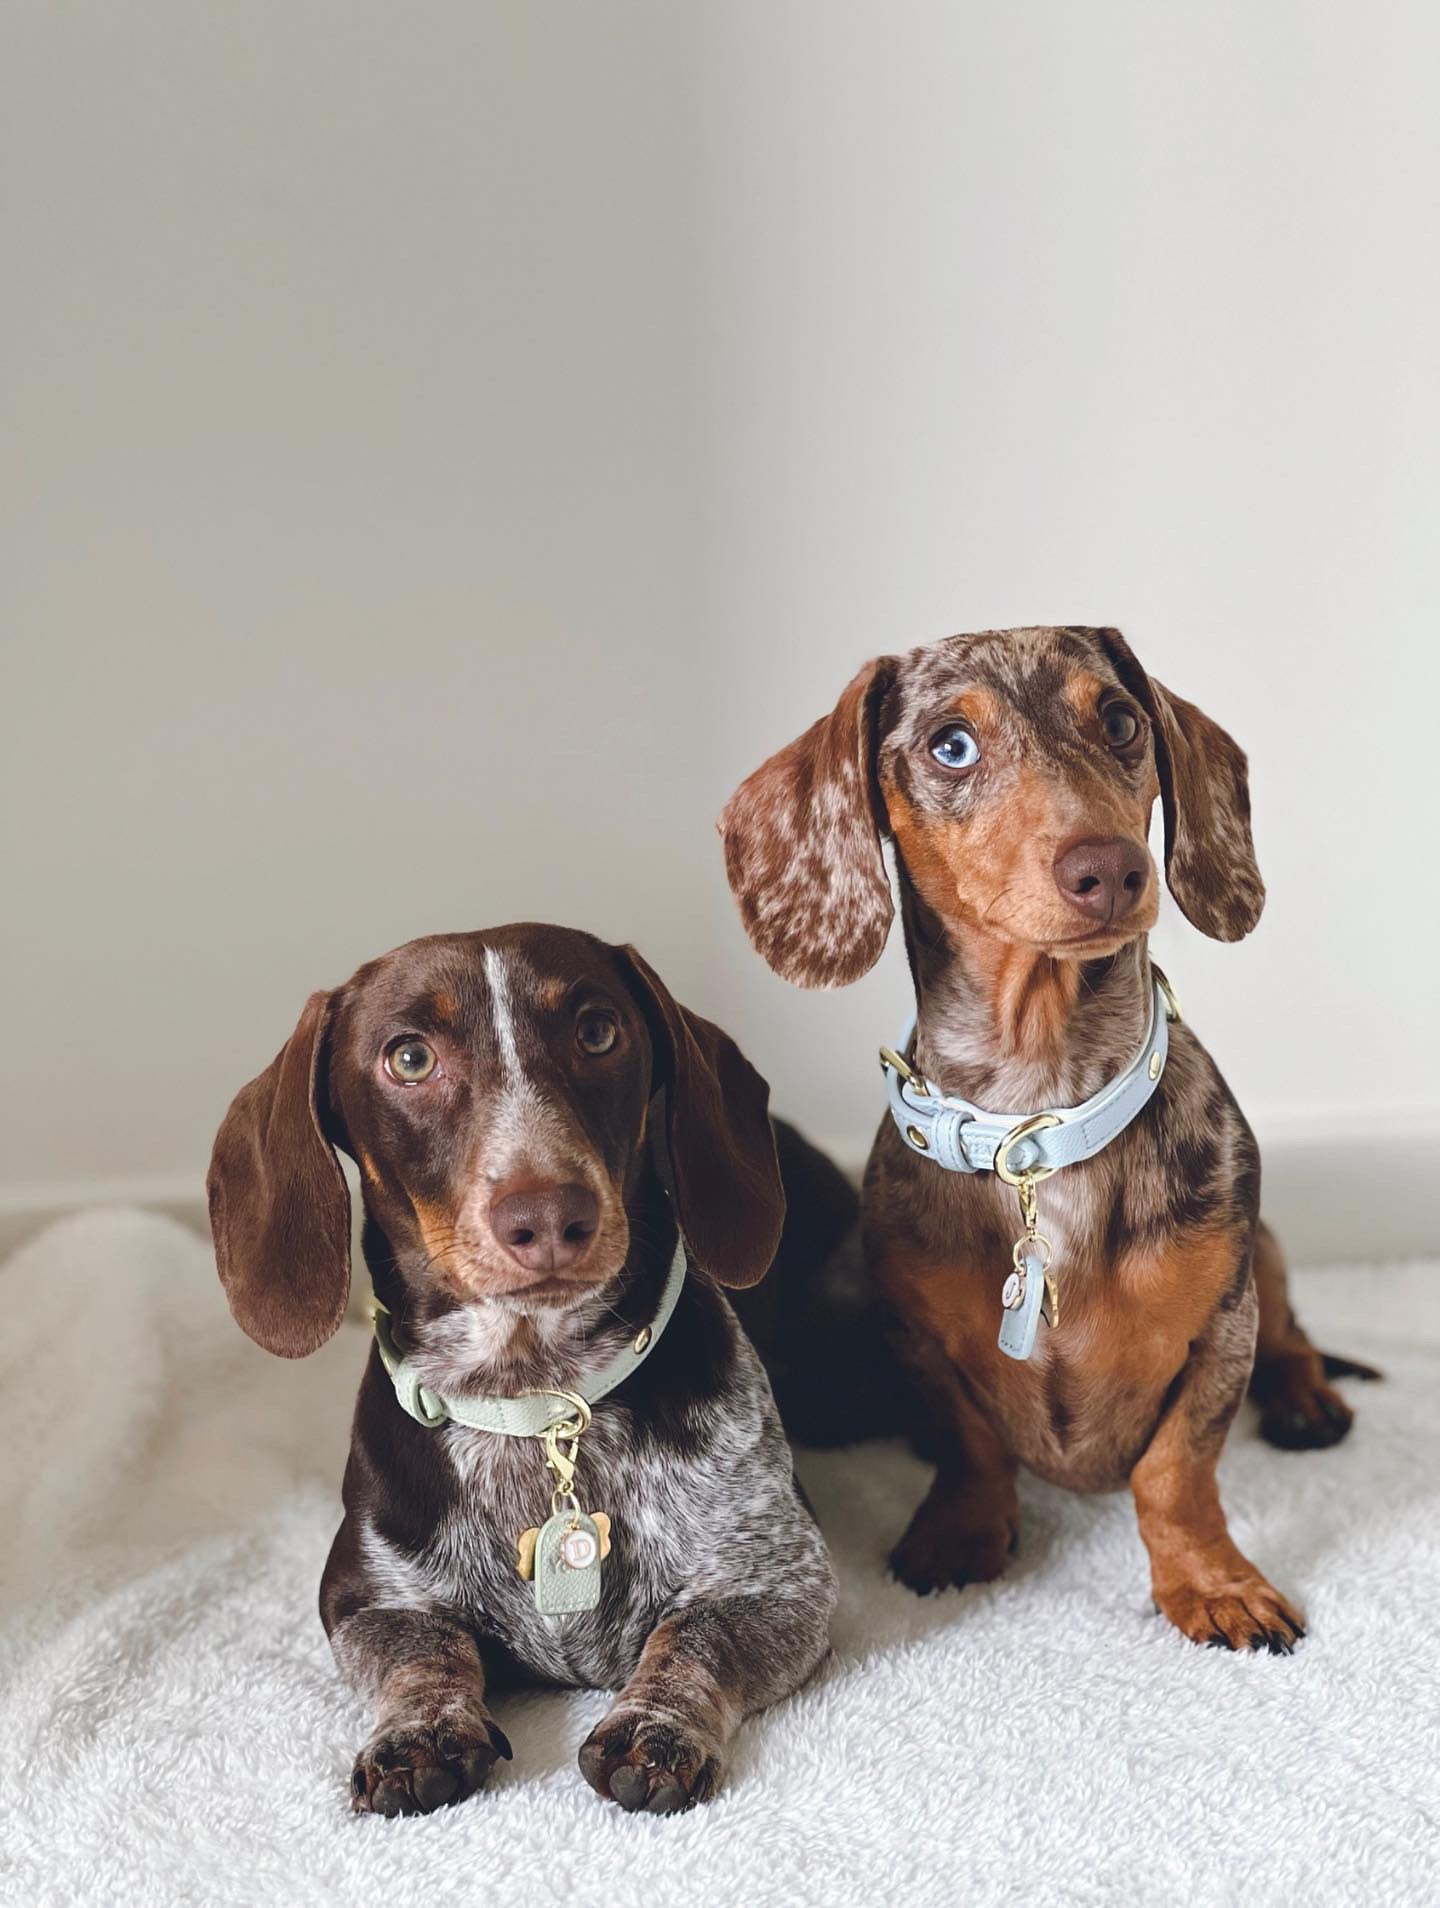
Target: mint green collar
533, 1413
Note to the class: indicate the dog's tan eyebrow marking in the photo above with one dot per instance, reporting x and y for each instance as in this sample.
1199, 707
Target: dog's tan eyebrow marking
1083, 690
443, 1005
977, 706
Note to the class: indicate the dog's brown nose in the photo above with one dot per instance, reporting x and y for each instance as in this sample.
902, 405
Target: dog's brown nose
1103, 878
546, 1227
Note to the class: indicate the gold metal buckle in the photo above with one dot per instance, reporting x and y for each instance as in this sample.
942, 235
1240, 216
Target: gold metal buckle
1172, 999
915, 1082
1035, 1124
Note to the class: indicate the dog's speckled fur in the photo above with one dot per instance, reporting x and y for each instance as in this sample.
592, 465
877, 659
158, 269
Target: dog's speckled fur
717, 1593
1165, 1275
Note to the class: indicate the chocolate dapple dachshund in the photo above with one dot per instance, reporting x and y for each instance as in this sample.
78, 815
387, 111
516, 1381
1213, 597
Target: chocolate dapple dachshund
1014, 772
498, 1094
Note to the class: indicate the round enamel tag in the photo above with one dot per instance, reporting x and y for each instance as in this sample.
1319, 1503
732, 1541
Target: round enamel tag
578, 1549
1012, 1291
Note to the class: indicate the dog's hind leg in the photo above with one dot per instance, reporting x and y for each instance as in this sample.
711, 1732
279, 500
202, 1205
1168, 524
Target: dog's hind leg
1299, 1411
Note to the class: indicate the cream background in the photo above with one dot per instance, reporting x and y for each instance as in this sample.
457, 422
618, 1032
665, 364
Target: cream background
447, 447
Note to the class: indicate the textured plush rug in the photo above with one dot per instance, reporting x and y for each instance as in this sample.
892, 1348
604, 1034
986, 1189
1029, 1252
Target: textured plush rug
173, 1730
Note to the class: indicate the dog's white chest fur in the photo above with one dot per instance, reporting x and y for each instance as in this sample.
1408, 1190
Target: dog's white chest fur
712, 1513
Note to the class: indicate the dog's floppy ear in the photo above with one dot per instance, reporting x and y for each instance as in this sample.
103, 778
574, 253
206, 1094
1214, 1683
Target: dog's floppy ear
1205, 794
279, 1205
728, 1195
803, 845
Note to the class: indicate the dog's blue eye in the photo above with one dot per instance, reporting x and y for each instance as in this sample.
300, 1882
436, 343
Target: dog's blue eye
955, 748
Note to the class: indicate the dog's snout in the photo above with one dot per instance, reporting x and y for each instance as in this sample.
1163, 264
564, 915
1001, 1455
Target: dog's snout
1104, 877
546, 1227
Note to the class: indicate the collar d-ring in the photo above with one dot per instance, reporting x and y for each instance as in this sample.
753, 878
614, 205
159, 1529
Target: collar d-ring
1037, 1123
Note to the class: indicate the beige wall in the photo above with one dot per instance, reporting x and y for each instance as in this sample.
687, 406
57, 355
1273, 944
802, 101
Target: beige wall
449, 446
1114, 313
354, 377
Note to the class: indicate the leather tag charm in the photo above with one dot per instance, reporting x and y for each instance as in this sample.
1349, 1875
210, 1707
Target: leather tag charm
562, 1558
527, 1540
567, 1564
1022, 1318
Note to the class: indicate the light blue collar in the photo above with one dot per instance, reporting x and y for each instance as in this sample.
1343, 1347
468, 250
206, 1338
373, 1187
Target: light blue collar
533, 1413
964, 1138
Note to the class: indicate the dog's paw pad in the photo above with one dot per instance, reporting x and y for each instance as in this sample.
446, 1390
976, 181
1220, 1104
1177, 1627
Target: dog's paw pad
414, 1768
644, 1763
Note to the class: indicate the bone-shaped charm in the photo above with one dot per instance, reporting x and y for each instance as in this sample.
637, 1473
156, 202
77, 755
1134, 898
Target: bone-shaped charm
525, 1563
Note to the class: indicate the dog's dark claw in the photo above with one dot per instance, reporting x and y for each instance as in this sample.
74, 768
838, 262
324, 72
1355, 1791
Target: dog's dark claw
500, 1742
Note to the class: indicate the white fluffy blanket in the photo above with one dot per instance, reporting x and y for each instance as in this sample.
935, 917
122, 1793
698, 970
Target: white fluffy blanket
174, 1732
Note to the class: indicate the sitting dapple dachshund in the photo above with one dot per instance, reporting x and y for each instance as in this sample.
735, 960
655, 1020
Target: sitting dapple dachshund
1014, 771
566, 1461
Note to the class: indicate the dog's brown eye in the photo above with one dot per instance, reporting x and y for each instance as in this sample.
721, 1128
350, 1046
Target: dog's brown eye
410, 1061
1120, 723
596, 1033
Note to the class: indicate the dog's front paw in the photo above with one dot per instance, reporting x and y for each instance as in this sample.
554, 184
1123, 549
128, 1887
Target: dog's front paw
650, 1762
936, 1553
1248, 1614
410, 1768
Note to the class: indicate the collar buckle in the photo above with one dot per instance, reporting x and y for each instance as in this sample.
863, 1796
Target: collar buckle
890, 1060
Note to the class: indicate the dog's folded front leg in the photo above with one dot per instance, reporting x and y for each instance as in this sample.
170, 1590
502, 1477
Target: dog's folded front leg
702, 1671
969, 1522
1200, 1579
434, 1741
